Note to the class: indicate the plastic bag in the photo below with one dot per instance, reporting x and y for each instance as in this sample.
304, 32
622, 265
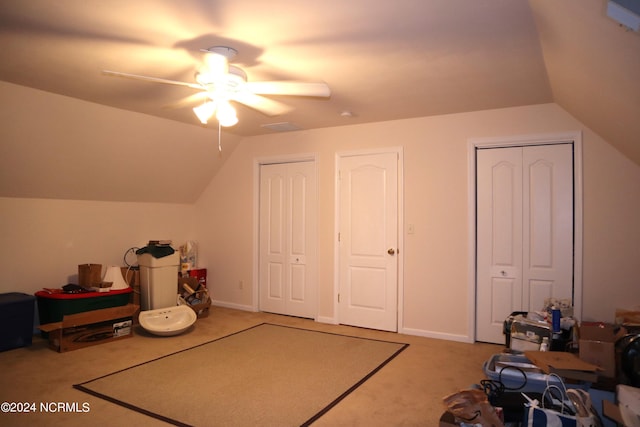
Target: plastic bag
188, 257
472, 407
567, 408
546, 417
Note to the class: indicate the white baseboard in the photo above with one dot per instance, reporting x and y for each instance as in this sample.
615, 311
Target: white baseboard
233, 305
333, 321
329, 320
436, 335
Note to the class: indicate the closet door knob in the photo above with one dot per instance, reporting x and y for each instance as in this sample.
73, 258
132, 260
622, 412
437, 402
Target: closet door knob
391, 251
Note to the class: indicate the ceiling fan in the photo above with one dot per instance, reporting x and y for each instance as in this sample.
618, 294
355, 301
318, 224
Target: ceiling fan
218, 83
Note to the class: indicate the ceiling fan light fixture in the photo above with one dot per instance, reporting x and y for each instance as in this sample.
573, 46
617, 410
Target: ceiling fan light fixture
226, 114
228, 121
216, 65
205, 111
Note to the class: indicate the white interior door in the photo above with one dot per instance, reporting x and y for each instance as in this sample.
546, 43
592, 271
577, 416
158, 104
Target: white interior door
287, 265
368, 223
524, 232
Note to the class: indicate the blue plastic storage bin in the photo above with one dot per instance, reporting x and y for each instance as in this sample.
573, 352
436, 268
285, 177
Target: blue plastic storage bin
517, 373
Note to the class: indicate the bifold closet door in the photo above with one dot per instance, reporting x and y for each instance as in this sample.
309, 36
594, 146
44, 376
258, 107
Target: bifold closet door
524, 232
287, 265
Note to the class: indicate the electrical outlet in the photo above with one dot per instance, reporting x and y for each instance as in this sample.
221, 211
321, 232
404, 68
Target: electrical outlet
241, 284
411, 229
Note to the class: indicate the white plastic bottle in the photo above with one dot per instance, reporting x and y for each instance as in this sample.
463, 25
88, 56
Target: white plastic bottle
545, 344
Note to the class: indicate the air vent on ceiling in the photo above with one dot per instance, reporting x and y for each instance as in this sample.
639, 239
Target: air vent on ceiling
626, 12
282, 127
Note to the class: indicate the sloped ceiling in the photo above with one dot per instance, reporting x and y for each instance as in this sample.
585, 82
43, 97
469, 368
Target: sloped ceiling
593, 66
382, 60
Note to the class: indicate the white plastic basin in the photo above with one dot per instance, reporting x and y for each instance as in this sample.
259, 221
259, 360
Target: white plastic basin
167, 321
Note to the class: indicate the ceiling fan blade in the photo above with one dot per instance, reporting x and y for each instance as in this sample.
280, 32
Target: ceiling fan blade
151, 79
289, 88
260, 103
189, 101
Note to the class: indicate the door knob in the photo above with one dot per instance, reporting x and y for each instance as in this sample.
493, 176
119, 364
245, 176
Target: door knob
391, 251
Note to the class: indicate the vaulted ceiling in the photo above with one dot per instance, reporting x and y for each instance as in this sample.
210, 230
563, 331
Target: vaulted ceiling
382, 60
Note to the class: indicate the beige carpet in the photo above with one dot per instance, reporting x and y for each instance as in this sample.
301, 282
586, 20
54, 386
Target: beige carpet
267, 375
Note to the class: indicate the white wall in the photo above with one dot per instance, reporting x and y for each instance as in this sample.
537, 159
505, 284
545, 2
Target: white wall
146, 170
611, 231
436, 256
43, 241
54, 146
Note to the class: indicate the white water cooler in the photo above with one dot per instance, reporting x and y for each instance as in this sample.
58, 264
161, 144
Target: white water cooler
158, 281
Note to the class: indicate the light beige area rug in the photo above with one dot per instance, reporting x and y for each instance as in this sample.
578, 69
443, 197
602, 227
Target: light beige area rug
267, 375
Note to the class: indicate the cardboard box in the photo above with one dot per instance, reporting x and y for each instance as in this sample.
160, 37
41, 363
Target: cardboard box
566, 365
203, 305
597, 346
91, 328
628, 317
611, 410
